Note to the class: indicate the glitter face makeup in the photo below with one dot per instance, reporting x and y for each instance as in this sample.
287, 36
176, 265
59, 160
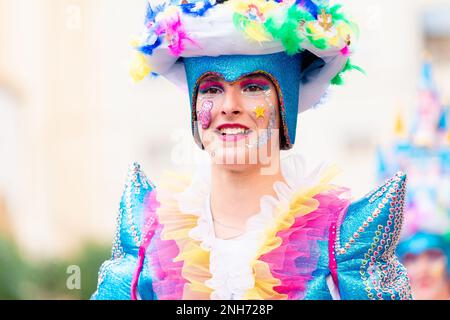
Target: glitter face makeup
253, 93
251, 84
260, 112
204, 114
264, 138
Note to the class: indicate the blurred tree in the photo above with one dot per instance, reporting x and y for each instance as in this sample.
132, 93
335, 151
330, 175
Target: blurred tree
51, 277
12, 269
47, 279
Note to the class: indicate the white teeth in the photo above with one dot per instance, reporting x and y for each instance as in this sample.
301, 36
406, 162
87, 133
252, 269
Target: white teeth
233, 131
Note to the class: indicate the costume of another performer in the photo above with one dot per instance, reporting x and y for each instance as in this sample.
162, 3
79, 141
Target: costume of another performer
250, 67
423, 152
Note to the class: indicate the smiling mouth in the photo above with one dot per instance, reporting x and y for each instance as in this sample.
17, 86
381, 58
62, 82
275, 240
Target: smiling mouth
233, 131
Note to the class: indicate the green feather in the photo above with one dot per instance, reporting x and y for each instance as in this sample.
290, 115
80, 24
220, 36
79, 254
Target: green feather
318, 43
337, 16
240, 22
338, 80
288, 32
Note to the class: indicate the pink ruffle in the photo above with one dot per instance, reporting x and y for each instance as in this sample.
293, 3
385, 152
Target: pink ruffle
167, 281
295, 260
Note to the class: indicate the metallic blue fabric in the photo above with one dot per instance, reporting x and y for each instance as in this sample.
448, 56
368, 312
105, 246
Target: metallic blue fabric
364, 248
115, 275
317, 286
284, 71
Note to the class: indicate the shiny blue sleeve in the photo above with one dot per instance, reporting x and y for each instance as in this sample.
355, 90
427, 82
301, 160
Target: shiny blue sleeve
365, 246
115, 275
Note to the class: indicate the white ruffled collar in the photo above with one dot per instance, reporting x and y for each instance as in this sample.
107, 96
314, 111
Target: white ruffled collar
230, 259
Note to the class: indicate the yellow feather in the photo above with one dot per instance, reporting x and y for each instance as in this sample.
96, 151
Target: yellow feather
256, 32
139, 68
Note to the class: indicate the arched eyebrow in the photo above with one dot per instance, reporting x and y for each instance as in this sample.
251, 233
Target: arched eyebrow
210, 82
213, 78
218, 79
255, 75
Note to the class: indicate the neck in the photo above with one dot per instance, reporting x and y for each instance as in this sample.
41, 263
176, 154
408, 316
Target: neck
236, 194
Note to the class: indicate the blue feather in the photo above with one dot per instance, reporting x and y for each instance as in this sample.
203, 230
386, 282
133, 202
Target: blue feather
310, 6
151, 14
148, 49
190, 8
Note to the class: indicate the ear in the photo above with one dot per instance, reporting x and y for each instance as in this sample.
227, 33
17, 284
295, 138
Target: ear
131, 217
365, 247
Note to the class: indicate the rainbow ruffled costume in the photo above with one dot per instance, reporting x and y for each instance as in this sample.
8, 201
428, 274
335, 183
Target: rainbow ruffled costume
308, 242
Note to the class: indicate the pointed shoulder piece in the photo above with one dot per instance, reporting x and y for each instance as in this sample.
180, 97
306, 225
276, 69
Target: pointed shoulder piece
115, 275
130, 219
366, 243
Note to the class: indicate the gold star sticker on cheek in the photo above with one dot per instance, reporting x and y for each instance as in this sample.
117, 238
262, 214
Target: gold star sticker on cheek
260, 112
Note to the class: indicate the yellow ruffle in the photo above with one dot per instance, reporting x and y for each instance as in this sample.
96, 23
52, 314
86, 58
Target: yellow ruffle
302, 203
176, 226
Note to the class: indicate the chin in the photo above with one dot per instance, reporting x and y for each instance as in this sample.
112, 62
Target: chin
238, 156
231, 157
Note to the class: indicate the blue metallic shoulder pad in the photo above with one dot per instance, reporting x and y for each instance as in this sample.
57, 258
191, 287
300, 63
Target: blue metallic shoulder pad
366, 243
130, 220
115, 275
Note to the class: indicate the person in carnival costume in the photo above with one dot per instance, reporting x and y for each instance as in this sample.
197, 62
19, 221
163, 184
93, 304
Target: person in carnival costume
425, 256
253, 225
423, 150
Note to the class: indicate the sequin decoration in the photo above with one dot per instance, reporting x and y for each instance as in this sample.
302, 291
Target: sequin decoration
117, 249
394, 195
260, 112
372, 229
384, 277
204, 114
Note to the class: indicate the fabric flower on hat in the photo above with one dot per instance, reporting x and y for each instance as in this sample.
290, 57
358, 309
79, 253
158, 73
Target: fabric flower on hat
250, 16
172, 31
330, 29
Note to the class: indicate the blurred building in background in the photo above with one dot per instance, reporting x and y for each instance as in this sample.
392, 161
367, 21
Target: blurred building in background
71, 120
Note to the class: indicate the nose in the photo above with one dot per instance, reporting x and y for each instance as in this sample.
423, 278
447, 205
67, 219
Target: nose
232, 104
